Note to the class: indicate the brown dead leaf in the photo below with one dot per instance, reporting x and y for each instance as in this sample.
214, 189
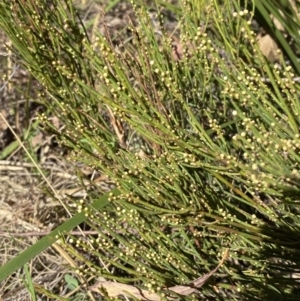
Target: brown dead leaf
115, 289
277, 23
56, 122
3, 115
268, 47
142, 154
179, 49
194, 285
37, 140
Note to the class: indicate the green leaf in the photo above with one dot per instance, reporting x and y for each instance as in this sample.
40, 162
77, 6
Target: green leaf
28, 283
71, 281
50, 239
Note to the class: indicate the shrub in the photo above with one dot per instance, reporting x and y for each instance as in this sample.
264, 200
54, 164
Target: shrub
201, 138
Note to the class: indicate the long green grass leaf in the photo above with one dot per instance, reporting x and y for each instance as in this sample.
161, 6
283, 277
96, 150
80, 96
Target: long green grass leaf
50, 239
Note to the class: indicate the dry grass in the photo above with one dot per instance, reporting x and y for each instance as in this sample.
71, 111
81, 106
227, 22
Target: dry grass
26, 213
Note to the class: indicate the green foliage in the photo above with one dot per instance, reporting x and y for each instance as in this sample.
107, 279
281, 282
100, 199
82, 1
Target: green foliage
51, 238
28, 283
71, 282
201, 138
286, 13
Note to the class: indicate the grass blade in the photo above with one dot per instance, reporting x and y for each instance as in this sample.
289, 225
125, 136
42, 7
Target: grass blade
50, 239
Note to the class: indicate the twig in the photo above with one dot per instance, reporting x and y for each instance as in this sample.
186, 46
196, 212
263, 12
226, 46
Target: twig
10, 77
267, 80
